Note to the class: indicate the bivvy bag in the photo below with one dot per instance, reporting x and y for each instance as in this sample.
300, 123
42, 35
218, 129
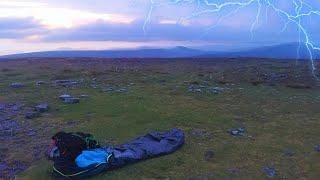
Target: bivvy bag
90, 162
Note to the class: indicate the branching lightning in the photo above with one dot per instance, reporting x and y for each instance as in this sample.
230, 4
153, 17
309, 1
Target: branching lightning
302, 10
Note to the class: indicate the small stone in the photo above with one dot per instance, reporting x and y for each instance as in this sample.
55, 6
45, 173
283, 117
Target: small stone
32, 115
39, 83
64, 96
42, 107
237, 132
71, 100
208, 155
31, 132
3, 166
200, 133
289, 152
122, 90
17, 85
269, 171
84, 96
216, 90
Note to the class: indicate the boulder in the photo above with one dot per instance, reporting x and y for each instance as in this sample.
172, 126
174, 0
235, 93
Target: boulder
64, 96
17, 85
32, 115
39, 83
237, 131
269, 171
122, 90
208, 155
71, 100
66, 83
42, 107
216, 90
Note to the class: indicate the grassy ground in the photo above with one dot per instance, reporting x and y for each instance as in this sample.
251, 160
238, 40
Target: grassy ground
276, 117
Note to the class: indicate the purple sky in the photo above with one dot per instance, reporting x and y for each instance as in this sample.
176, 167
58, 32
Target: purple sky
38, 25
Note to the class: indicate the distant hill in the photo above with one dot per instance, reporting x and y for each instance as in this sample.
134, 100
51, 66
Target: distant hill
282, 51
133, 53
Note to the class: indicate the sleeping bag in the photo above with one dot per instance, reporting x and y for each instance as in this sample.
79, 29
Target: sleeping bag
97, 160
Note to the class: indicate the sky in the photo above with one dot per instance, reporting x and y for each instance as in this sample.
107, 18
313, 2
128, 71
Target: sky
41, 25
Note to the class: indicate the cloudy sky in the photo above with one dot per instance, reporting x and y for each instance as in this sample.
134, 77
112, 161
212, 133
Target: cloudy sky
38, 25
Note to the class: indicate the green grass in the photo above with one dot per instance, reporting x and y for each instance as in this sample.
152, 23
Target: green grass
274, 119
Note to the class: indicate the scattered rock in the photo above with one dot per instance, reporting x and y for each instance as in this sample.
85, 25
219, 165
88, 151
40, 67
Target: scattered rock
269, 171
84, 96
66, 83
317, 148
64, 96
94, 86
32, 115
3, 166
289, 152
42, 107
194, 88
9, 128
216, 90
39, 83
237, 131
108, 89
122, 90
17, 85
200, 133
71, 100
31, 132
208, 155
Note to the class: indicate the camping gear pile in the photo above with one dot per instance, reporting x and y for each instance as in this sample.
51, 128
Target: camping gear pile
79, 155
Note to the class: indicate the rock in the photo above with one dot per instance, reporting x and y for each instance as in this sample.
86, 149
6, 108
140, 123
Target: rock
208, 155
31, 132
42, 107
39, 83
122, 90
194, 88
269, 171
3, 166
289, 152
84, 96
9, 128
317, 148
32, 115
94, 86
66, 83
237, 132
200, 133
64, 96
71, 100
108, 89
17, 85
216, 90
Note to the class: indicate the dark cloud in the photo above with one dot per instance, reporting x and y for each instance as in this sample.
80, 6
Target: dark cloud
15, 28
102, 31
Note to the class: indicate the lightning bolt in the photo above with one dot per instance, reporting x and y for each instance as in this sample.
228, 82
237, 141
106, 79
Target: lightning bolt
302, 10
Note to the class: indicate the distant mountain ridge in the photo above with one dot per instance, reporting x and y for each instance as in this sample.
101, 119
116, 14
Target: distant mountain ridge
282, 51
132, 53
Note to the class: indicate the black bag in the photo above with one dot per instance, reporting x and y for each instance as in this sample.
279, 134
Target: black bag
71, 145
